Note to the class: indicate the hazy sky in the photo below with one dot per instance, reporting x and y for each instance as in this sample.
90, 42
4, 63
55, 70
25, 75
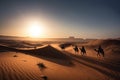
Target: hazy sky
62, 18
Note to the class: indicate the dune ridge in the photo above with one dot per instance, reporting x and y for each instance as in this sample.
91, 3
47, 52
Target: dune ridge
18, 64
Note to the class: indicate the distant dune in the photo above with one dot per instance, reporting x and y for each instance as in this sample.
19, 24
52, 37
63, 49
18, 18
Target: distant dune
107, 42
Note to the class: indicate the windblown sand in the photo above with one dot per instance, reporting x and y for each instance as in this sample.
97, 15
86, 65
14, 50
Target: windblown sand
24, 67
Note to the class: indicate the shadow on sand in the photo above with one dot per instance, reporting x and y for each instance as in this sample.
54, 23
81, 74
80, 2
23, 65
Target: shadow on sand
48, 53
92, 62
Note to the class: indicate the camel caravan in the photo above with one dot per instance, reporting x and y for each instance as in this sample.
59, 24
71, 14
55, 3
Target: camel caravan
82, 50
99, 51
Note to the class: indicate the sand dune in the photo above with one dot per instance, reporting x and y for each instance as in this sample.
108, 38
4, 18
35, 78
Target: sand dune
60, 64
12, 68
24, 67
111, 48
47, 52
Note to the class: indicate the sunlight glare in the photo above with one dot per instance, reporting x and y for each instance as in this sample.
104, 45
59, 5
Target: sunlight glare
35, 30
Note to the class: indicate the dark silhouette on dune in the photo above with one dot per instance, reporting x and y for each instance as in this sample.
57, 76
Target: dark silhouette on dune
83, 51
64, 45
76, 49
99, 51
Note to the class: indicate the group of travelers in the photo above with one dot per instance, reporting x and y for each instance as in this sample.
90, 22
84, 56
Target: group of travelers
99, 51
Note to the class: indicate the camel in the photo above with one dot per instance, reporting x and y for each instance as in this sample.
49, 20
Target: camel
99, 51
83, 51
76, 49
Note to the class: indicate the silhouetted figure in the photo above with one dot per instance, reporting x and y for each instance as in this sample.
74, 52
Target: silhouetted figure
83, 51
99, 51
76, 49
62, 47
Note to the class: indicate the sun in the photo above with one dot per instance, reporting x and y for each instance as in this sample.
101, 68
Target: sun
35, 30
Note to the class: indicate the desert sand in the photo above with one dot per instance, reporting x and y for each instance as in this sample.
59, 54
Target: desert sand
18, 64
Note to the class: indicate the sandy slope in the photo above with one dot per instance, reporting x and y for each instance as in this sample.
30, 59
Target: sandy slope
18, 68
24, 67
105, 65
